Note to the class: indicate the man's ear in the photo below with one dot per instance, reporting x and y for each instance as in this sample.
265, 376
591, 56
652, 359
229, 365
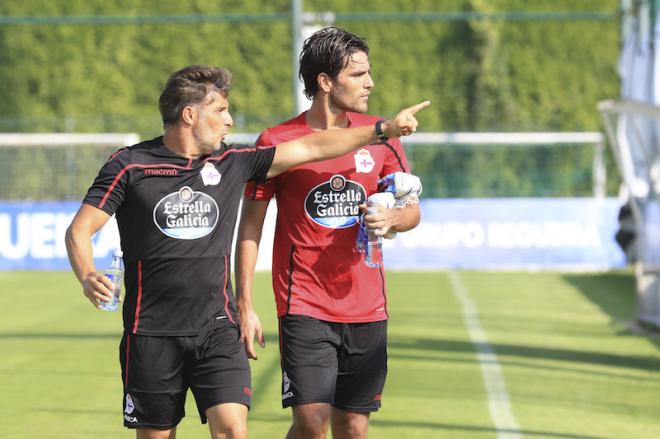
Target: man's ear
325, 82
188, 115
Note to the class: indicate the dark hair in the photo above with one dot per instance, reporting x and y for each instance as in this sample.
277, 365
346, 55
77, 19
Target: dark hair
191, 85
327, 51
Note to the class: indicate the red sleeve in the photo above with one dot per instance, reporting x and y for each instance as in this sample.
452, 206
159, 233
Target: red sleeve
395, 160
261, 191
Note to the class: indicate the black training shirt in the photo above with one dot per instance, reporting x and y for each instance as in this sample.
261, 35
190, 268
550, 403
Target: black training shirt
176, 219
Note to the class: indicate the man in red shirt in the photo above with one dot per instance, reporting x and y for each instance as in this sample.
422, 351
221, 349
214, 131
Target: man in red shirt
331, 306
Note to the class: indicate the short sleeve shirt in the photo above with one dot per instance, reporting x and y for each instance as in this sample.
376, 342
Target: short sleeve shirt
176, 219
317, 270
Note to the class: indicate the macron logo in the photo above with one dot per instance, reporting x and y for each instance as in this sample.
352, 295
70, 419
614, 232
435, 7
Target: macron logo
166, 172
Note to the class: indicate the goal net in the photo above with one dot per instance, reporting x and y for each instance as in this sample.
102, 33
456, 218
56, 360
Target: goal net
54, 166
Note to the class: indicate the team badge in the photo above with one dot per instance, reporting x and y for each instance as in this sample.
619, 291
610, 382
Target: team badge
210, 175
129, 404
363, 161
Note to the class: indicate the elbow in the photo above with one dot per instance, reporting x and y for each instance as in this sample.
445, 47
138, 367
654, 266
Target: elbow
68, 237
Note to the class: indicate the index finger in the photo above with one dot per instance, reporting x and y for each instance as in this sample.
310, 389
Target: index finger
415, 108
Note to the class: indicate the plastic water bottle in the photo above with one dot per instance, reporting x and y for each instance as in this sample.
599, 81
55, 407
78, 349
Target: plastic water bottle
373, 254
115, 272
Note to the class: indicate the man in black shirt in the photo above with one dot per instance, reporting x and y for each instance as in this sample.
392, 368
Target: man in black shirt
176, 198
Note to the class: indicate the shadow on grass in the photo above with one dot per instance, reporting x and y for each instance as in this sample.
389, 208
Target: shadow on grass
508, 350
60, 335
473, 428
614, 292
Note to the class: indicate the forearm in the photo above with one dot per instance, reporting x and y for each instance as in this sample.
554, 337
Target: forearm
319, 146
246, 262
406, 218
253, 214
337, 142
327, 144
80, 253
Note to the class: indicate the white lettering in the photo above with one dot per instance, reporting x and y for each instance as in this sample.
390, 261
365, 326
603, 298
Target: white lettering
549, 234
62, 221
130, 418
43, 235
18, 249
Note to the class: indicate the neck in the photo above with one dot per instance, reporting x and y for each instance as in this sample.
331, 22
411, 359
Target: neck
180, 142
322, 116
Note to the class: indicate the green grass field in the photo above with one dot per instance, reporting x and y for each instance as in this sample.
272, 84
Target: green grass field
567, 362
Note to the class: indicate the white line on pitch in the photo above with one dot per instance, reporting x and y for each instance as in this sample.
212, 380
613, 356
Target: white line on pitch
498, 398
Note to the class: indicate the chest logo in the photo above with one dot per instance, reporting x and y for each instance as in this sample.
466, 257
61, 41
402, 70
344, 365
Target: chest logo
334, 204
186, 214
363, 161
210, 175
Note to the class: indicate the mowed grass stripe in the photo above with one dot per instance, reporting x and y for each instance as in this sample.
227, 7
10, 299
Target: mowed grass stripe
571, 367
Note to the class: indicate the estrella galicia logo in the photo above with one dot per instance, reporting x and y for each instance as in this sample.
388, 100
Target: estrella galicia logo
186, 214
334, 204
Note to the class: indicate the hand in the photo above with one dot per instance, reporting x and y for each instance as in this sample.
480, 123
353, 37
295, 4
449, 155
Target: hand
404, 123
378, 218
97, 288
251, 327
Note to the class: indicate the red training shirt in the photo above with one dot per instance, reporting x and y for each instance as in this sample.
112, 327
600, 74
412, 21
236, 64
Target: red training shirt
317, 271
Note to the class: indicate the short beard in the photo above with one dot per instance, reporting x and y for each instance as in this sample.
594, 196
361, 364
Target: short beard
355, 109
204, 146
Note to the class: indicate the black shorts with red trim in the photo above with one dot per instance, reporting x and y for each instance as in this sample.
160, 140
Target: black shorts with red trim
157, 372
343, 364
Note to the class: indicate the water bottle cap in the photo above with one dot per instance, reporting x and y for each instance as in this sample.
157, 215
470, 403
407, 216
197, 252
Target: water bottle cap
118, 253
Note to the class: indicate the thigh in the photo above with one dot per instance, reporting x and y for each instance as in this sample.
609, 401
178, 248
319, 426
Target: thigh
362, 367
308, 349
154, 375
221, 372
228, 420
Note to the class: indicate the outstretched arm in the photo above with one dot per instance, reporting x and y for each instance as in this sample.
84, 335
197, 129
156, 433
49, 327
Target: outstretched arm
334, 143
78, 241
247, 248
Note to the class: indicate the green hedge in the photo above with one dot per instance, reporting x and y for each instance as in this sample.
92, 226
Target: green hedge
482, 75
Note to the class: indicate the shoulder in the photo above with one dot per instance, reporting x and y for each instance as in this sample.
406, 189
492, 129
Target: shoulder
284, 131
128, 152
149, 152
241, 147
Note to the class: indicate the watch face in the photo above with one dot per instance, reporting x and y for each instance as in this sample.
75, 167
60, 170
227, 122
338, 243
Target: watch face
379, 131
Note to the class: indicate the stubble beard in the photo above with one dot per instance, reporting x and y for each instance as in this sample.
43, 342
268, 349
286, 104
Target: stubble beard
205, 145
356, 107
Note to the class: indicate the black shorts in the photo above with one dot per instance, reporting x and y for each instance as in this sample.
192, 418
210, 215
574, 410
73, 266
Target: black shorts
158, 370
343, 364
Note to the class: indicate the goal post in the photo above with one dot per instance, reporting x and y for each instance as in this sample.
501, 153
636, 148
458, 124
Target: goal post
633, 129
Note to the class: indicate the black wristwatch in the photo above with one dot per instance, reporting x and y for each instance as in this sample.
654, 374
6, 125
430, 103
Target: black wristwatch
379, 131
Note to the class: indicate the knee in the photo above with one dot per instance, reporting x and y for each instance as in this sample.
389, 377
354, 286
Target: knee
356, 429
233, 431
347, 425
312, 425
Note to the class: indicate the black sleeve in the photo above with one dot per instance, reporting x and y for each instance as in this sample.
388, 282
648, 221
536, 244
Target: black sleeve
109, 188
256, 160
